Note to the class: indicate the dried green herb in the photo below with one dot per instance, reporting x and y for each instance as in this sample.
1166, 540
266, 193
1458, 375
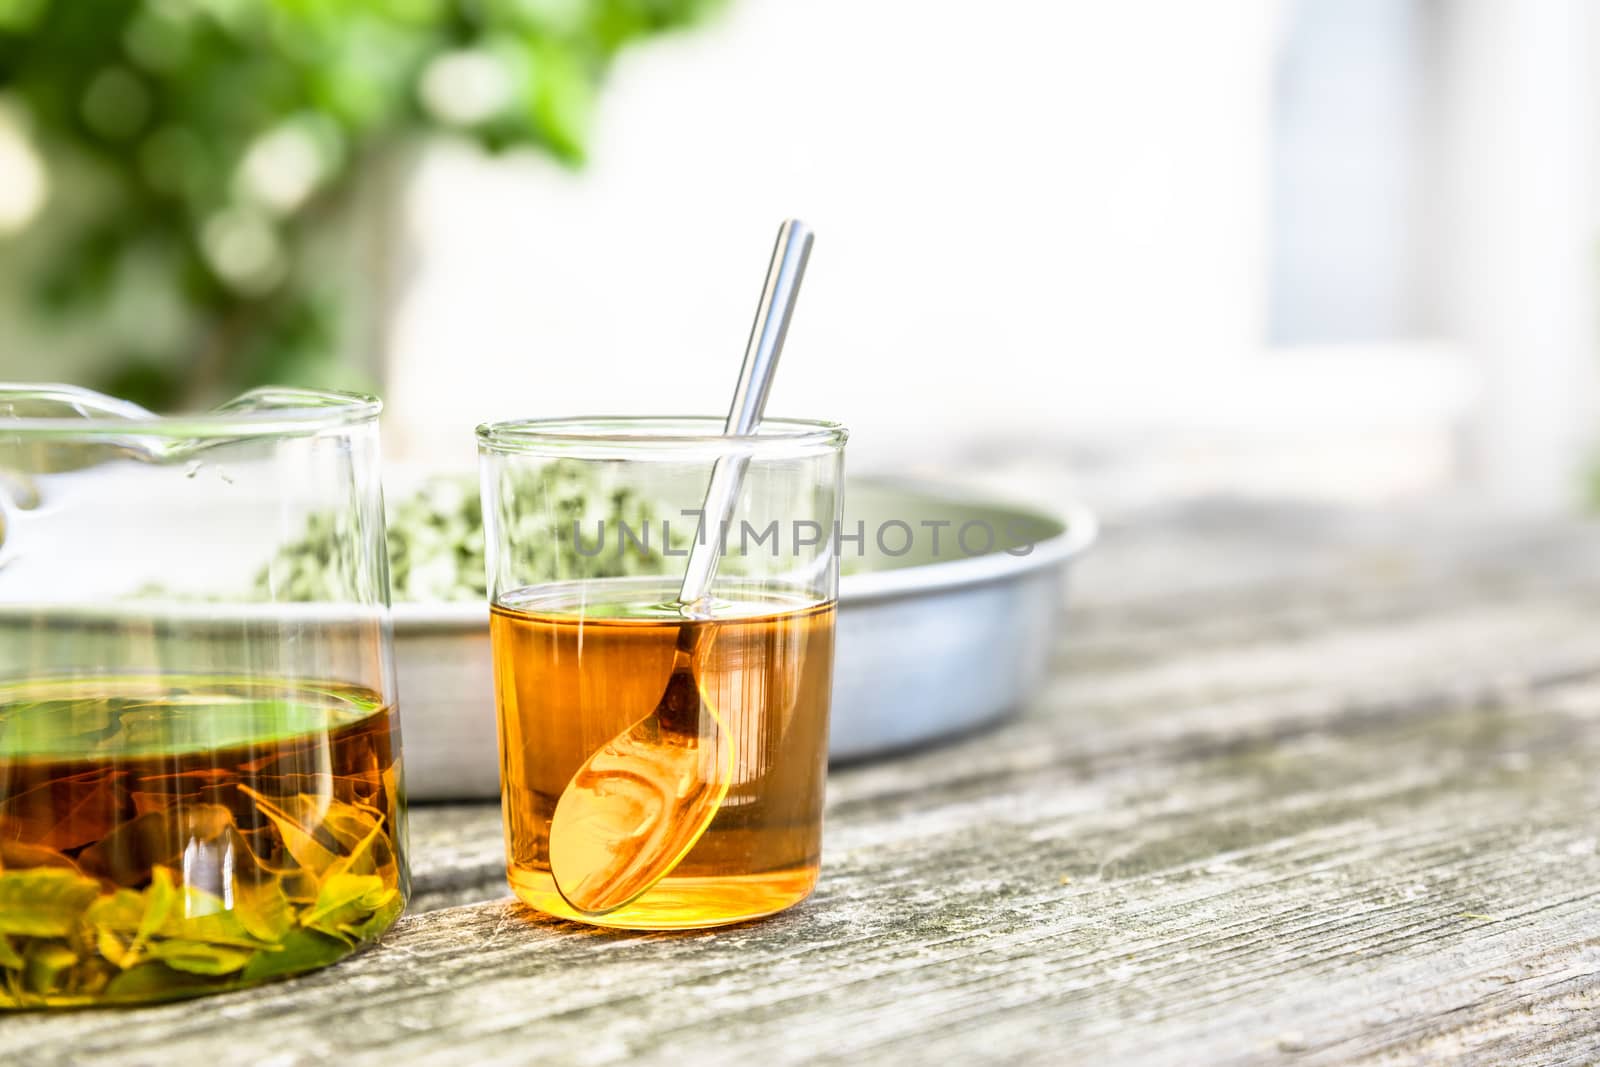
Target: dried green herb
436, 538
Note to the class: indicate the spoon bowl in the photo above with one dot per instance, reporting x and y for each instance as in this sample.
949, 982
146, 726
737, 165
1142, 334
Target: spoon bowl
645, 797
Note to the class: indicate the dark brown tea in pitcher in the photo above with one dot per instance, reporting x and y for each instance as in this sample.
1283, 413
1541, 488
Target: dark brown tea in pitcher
165, 836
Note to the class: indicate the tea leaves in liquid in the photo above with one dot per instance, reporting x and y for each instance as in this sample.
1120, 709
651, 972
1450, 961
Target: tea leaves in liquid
164, 836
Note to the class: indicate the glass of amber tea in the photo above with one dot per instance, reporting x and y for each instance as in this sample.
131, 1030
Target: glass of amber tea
200, 783
673, 752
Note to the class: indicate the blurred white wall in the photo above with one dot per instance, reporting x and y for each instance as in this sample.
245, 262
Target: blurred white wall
1333, 247
1517, 204
1349, 227
1034, 220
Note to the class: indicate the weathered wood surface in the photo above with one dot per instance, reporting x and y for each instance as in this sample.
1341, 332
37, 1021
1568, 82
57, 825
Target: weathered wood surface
1305, 788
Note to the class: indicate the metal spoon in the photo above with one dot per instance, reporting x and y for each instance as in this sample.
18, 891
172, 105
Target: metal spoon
641, 801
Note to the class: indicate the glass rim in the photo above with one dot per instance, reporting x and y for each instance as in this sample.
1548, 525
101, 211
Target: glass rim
285, 411
645, 435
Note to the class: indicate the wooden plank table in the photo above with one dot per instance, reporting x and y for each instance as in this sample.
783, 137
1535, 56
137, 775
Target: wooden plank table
1305, 787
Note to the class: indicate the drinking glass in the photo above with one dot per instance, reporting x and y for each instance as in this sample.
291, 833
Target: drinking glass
200, 782
588, 524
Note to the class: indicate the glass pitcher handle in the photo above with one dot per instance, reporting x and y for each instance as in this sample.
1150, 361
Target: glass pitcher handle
54, 444
49, 401
152, 443
31, 400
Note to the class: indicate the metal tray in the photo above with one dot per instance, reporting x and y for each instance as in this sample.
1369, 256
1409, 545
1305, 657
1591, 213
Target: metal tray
927, 648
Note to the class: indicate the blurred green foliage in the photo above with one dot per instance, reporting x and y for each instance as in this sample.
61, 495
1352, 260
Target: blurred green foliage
200, 150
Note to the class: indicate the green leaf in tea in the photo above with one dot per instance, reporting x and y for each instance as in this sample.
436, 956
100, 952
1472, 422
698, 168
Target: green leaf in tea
302, 844
46, 966
159, 900
154, 981
45, 902
300, 950
123, 910
347, 899
263, 909
380, 920
200, 957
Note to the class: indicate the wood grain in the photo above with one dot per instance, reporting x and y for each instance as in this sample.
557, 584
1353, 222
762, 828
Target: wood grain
1305, 788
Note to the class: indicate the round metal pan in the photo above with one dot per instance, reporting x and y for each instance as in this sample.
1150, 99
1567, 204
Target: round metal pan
929, 645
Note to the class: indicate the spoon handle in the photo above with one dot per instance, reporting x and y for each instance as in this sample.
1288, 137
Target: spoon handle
761, 353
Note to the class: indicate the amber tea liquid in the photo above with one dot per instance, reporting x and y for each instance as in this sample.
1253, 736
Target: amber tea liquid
165, 836
573, 669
